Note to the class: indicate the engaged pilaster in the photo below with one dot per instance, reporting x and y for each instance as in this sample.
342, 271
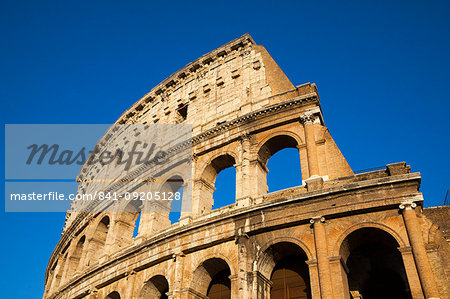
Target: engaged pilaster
307, 120
418, 247
320, 240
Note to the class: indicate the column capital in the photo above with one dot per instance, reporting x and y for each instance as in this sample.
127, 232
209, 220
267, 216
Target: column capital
245, 136
411, 203
307, 118
407, 205
317, 219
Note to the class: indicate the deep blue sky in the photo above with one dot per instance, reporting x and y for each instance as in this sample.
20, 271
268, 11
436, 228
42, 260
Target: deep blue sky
382, 69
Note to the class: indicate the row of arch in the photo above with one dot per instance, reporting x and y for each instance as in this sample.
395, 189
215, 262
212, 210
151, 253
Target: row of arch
373, 268
133, 223
132, 214
259, 181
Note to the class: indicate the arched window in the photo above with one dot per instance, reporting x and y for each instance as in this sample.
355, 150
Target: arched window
161, 206
131, 218
59, 272
172, 188
136, 226
75, 258
156, 287
98, 241
226, 184
211, 279
280, 156
375, 266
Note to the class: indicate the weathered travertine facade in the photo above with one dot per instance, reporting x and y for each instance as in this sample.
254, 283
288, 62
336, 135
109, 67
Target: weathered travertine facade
339, 235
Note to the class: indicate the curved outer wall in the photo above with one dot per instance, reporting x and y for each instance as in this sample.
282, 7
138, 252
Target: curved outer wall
243, 109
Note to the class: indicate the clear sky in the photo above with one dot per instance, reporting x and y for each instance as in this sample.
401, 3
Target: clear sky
382, 69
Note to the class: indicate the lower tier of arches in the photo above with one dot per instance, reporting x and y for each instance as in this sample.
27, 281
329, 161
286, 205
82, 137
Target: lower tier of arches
366, 259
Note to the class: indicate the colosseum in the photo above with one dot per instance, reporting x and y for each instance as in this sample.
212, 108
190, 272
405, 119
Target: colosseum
337, 235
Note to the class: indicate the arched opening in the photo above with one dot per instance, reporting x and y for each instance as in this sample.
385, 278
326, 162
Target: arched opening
136, 225
98, 241
75, 258
280, 163
284, 170
211, 279
59, 272
161, 206
113, 295
290, 273
155, 288
130, 218
170, 209
218, 191
374, 265
51, 276
225, 186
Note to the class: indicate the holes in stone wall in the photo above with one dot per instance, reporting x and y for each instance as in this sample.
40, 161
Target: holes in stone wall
181, 114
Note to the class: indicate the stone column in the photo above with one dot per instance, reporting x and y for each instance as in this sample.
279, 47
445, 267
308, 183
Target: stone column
202, 201
84, 257
243, 174
177, 284
242, 242
314, 279
311, 148
93, 293
320, 240
51, 285
258, 185
234, 279
339, 273
261, 286
118, 236
419, 251
186, 203
411, 272
130, 291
